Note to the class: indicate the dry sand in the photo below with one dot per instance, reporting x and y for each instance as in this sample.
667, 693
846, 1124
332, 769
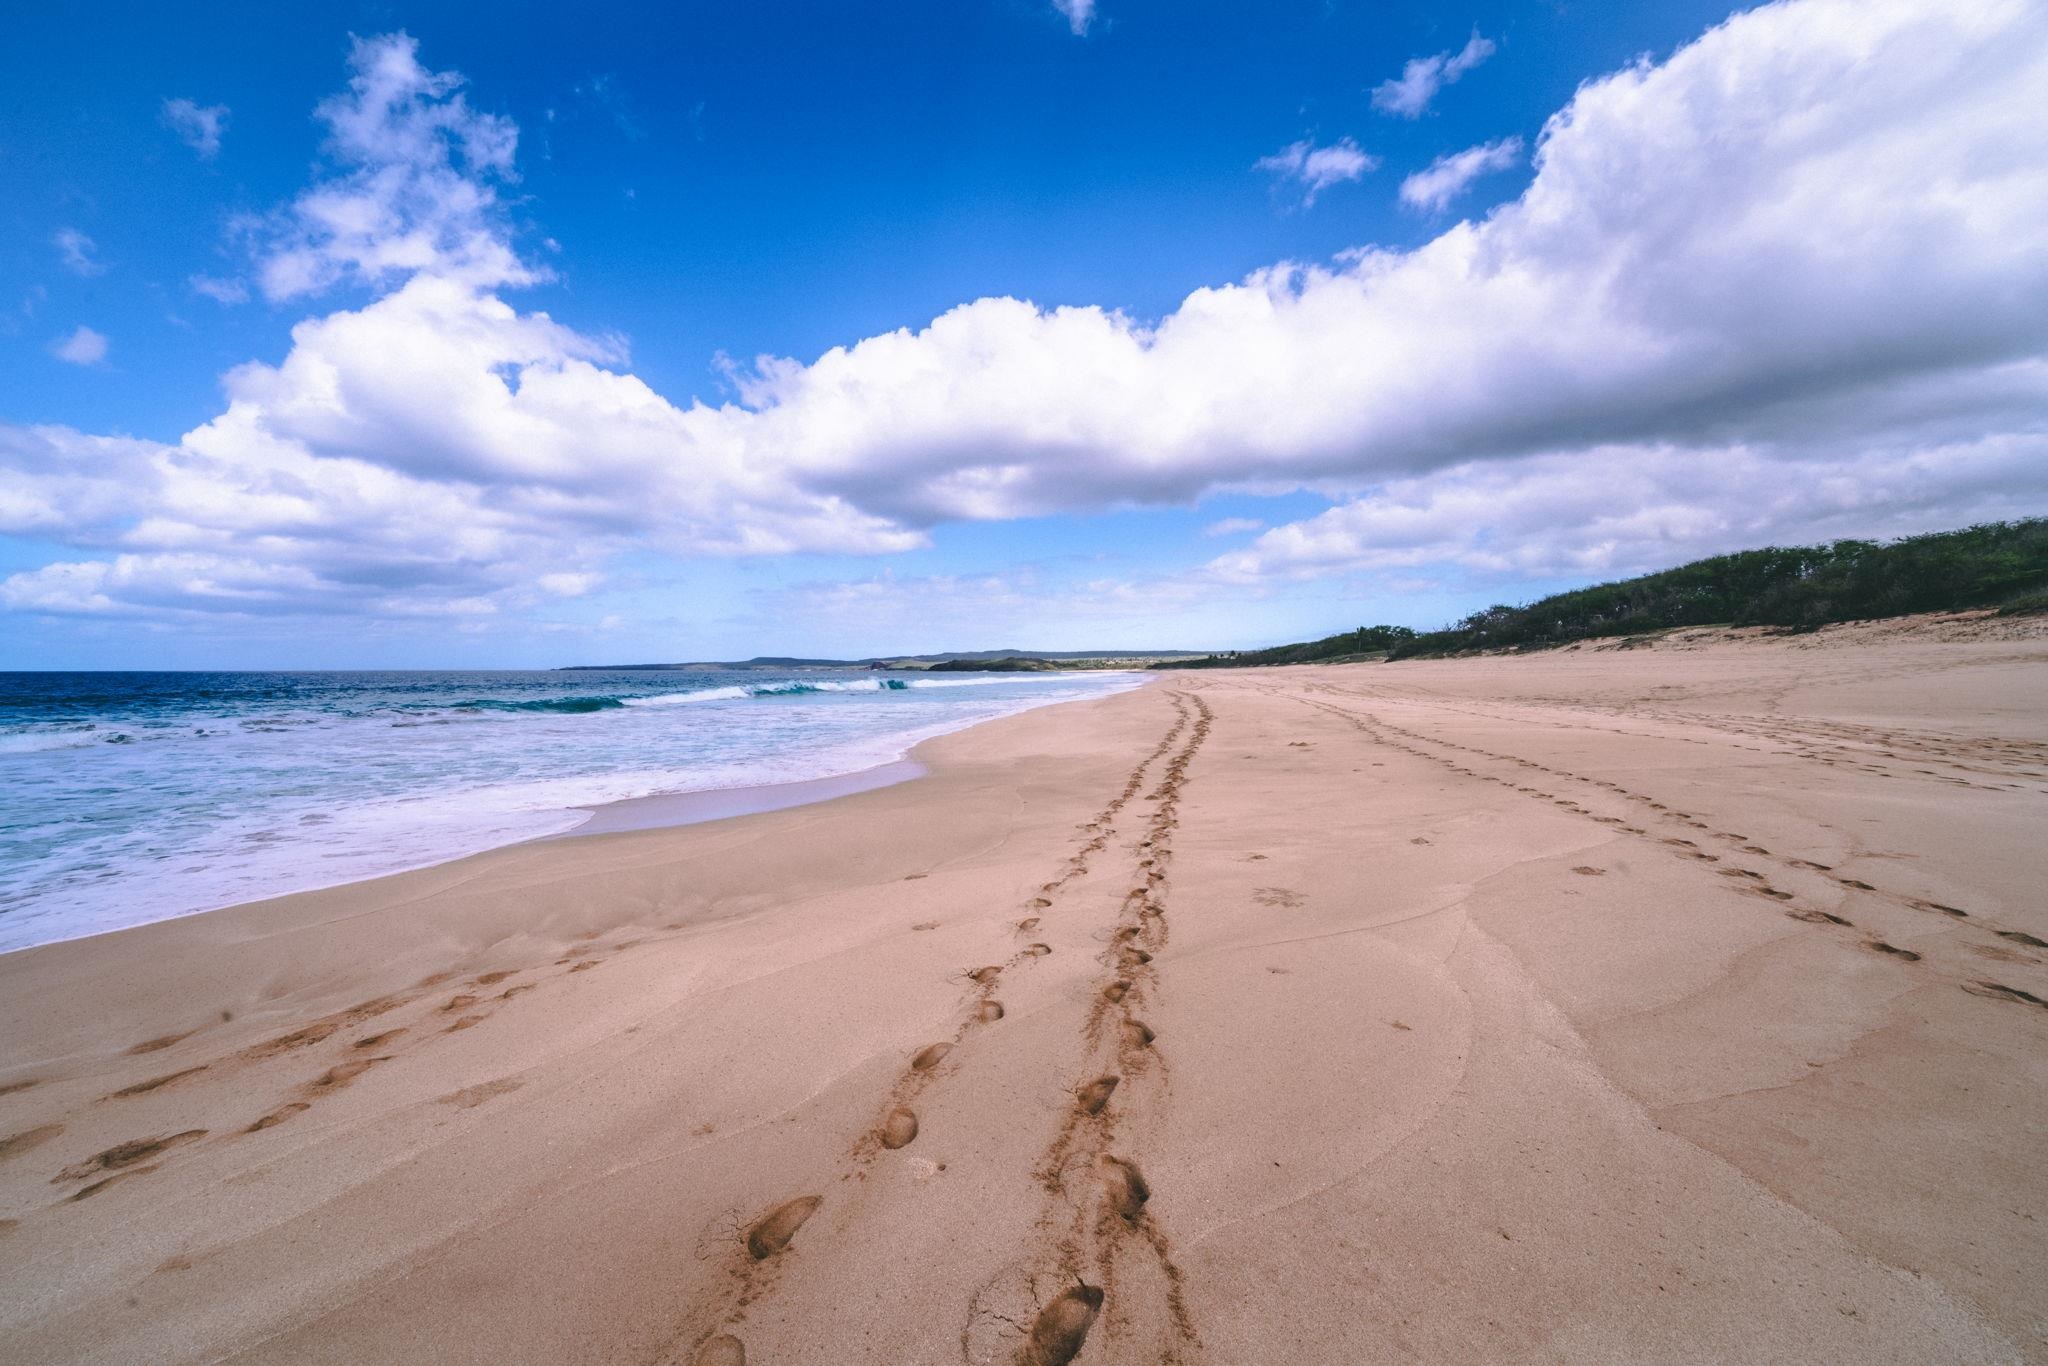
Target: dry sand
1679, 1003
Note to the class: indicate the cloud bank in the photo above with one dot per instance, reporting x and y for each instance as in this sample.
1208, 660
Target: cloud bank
1794, 277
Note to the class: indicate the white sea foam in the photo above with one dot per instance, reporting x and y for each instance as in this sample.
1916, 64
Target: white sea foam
265, 791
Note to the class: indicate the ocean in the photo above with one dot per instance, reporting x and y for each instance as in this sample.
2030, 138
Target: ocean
132, 797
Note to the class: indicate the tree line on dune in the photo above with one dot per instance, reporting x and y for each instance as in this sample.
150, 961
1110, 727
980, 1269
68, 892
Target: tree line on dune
1994, 564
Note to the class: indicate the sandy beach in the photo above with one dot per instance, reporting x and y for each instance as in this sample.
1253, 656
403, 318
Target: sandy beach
1685, 1002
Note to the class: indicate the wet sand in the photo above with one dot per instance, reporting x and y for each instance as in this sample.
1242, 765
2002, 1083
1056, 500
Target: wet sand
1673, 1003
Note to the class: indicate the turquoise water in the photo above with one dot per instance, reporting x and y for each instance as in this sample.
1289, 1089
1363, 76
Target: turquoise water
132, 797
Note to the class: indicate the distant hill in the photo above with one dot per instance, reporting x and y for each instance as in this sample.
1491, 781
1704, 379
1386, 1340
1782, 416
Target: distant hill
961, 658
1995, 564
1003, 664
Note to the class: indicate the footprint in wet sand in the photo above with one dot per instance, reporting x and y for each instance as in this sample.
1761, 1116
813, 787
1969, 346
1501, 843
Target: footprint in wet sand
725, 1349
1038, 950
930, 1056
16, 1144
125, 1155
469, 1097
1027, 924
1138, 1034
774, 1230
1584, 871
2022, 937
1061, 1328
982, 976
158, 1044
1124, 1190
278, 1116
1894, 950
988, 1012
899, 1128
143, 1088
1998, 991
1091, 1098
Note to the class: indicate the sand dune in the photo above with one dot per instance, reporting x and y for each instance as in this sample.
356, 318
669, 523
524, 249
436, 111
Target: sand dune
1681, 1003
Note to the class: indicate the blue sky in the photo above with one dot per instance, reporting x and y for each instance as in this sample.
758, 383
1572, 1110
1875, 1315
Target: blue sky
1491, 380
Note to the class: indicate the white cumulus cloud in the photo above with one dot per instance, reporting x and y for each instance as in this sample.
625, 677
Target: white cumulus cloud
1079, 14
82, 347
1315, 168
76, 251
199, 125
1793, 279
1410, 93
1450, 176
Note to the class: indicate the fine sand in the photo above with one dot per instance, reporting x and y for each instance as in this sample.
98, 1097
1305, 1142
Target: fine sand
1682, 1002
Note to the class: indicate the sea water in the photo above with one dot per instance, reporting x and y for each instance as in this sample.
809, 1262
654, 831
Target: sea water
132, 797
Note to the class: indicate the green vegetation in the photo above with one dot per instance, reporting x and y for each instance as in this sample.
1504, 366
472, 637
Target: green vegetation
1367, 642
1996, 564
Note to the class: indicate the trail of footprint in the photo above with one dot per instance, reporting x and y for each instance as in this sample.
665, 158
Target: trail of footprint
715, 1335
1094, 1217
1764, 889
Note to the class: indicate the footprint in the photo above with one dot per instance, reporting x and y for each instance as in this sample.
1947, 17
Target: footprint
899, 1128
1585, 871
375, 1040
143, 1088
469, 1097
985, 975
1060, 1329
725, 1349
988, 1012
1817, 918
1138, 1034
14, 1145
278, 1116
1880, 946
925, 925
1038, 950
1115, 991
159, 1044
1038, 903
1091, 1098
2022, 937
1123, 1188
1937, 906
1998, 991
87, 1192
491, 979
126, 1155
773, 1232
930, 1056
342, 1073
1027, 924
1858, 885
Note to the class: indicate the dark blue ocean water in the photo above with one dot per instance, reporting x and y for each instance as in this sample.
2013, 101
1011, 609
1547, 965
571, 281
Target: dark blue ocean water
132, 797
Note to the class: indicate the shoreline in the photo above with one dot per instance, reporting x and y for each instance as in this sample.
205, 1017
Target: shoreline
648, 811
663, 810
1285, 1006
